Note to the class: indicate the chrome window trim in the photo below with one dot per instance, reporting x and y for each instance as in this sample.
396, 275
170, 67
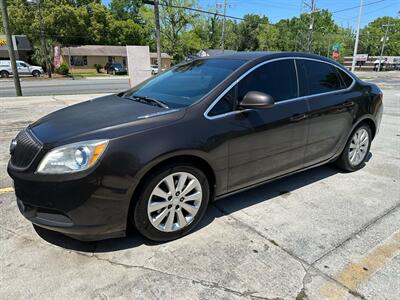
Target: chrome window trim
211, 106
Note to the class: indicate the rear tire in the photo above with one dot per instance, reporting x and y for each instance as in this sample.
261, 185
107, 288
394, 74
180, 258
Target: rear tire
4, 74
181, 192
357, 149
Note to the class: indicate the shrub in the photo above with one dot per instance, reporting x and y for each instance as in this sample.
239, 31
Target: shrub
98, 67
63, 69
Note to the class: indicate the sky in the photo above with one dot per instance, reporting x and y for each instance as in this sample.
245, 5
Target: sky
283, 9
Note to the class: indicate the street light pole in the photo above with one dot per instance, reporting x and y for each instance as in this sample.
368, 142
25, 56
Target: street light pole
383, 45
353, 63
10, 44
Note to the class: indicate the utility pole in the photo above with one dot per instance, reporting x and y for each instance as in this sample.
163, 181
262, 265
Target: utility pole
223, 28
353, 63
309, 7
311, 28
42, 39
158, 36
6, 24
383, 44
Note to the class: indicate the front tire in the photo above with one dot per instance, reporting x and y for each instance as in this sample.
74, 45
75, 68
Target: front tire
172, 202
36, 74
356, 151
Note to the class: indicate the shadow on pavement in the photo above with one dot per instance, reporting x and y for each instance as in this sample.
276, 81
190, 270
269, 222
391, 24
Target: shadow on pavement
219, 208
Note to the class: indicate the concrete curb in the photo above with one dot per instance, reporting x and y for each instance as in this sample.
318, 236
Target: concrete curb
77, 97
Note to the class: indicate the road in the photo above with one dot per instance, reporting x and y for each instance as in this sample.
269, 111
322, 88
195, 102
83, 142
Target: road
32, 87
319, 234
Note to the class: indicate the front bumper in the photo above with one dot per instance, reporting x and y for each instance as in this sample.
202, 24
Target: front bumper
89, 208
60, 222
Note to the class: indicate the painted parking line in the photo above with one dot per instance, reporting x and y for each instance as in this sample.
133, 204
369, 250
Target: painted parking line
6, 190
355, 273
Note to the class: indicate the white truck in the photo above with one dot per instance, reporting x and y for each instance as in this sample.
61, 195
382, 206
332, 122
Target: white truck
23, 69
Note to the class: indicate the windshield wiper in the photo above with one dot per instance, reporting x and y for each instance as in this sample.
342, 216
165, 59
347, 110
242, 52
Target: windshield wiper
148, 100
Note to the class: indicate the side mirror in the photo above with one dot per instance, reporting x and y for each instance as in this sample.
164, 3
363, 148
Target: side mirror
257, 100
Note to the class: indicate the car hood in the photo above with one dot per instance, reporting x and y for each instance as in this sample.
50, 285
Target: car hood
106, 115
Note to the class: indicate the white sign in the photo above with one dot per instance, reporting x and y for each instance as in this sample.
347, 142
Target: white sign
361, 57
138, 64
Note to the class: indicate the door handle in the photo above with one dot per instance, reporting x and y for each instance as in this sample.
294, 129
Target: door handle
348, 104
298, 117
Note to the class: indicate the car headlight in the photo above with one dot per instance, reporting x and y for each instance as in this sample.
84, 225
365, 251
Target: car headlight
72, 158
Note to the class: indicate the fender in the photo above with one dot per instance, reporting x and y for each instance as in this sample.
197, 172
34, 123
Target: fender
170, 155
365, 117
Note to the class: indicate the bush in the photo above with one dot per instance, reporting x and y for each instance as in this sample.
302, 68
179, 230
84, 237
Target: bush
63, 69
98, 67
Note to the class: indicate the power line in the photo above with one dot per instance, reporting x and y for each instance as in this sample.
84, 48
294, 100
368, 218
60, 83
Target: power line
358, 6
150, 2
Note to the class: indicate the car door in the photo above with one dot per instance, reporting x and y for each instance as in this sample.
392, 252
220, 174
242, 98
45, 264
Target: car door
23, 68
331, 103
264, 143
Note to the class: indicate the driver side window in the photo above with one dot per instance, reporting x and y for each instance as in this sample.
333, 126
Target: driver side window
277, 78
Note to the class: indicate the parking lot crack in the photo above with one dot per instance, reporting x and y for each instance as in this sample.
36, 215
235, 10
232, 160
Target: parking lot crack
304, 264
356, 233
204, 283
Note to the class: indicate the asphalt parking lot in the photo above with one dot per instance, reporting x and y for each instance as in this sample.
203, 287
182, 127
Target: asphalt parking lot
319, 234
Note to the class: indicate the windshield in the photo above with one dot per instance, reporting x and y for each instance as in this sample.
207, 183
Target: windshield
185, 84
118, 65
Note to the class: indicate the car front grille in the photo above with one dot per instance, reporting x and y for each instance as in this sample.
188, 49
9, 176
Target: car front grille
25, 151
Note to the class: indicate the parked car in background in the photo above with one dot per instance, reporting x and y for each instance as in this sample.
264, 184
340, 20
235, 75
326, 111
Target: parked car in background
153, 157
23, 69
116, 69
154, 69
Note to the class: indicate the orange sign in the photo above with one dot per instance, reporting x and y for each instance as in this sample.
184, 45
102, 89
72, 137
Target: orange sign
3, 42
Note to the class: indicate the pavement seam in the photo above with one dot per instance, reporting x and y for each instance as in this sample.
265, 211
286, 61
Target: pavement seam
361, 230
300, 260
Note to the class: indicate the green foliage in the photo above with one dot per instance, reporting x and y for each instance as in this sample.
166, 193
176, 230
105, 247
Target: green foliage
371, 36
63, 69
125, 9
184, 32
98, 67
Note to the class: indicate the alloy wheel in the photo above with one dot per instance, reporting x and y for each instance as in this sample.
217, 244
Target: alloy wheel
358, 147
174, 202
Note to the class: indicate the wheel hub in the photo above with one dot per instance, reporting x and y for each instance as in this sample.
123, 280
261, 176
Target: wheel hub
174, 202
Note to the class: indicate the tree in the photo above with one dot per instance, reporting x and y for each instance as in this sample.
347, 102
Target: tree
373, 33
125, 9
174, 21
248, 32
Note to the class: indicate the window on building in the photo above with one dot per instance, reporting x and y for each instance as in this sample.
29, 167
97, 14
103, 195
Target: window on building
78, 60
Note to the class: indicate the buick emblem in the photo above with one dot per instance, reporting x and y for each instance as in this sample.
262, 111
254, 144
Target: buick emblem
13, 145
